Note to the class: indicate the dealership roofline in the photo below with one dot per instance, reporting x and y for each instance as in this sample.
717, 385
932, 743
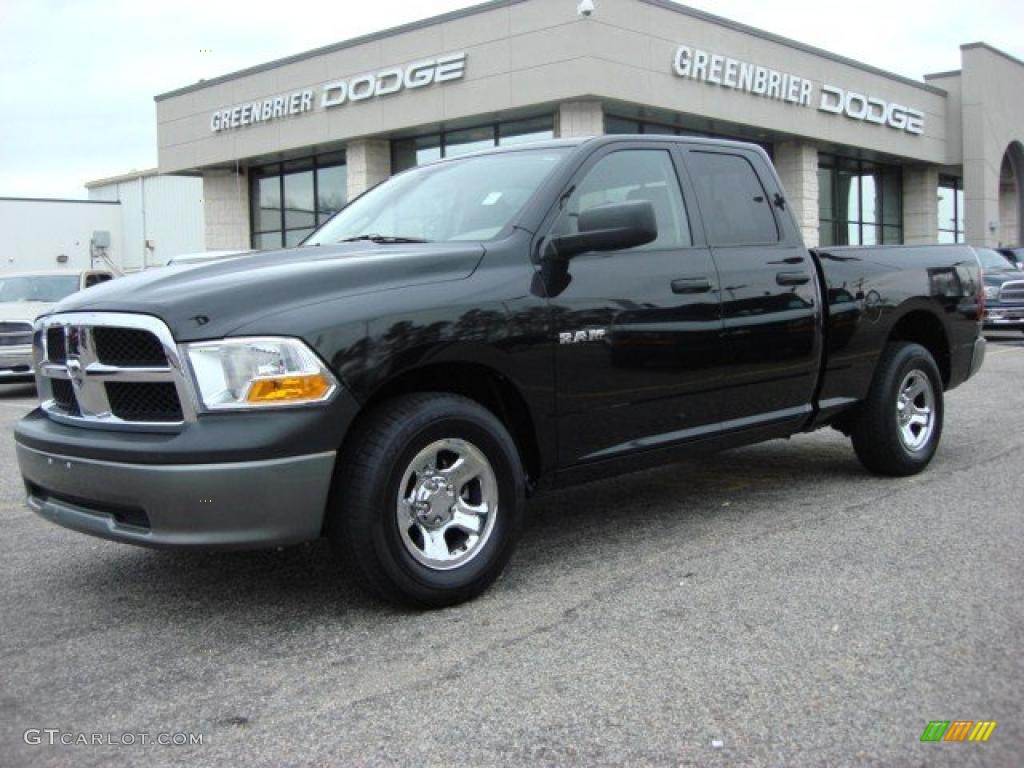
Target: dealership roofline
129, 176
488, 6
772, 37
57, 200
361, 40
947, 73
987, 47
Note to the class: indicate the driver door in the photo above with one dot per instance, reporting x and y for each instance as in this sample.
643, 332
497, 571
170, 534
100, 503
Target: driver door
639, 357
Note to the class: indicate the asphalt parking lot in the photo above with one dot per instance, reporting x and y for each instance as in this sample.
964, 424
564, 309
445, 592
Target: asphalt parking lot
769, 606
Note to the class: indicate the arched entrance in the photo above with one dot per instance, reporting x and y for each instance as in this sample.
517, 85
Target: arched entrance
1011, 199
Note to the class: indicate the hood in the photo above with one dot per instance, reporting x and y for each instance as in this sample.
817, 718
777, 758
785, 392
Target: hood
210, 299
999, 276
23, 311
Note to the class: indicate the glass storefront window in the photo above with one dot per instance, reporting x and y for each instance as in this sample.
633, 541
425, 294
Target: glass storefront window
859, 203
267, 197
299, 211
331, 192
951, 210
525, 131
472, 140
407, 153
289, 200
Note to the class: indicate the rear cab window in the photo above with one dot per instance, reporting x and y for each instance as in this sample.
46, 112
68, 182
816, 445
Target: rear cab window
735, 206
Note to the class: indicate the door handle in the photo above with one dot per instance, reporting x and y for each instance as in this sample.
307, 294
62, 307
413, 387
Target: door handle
691, 285
792, 278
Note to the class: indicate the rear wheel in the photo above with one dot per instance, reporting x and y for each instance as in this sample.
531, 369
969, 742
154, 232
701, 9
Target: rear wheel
429, 500
898, 427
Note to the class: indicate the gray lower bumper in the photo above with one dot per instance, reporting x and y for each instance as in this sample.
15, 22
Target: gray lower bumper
244, 505
978, 355
16, 363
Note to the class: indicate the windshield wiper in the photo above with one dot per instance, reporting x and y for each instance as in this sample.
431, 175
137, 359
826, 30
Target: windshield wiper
383, 239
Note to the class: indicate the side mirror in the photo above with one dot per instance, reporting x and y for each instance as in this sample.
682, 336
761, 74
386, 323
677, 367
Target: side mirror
611, 227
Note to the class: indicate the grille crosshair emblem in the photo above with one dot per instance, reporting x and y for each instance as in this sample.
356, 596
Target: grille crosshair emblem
75, 371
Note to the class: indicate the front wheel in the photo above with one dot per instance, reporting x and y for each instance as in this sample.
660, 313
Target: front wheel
898, 427
429, 500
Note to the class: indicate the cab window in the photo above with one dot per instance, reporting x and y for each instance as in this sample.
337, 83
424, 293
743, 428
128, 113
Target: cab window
632, 174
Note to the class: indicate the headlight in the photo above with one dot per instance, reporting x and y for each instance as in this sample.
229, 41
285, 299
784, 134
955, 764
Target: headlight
991, 291
258, 373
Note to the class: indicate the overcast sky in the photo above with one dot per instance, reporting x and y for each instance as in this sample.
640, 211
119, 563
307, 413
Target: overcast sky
77, 77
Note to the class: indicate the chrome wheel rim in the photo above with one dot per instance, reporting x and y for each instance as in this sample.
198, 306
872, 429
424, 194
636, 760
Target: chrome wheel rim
915, 410
447, 504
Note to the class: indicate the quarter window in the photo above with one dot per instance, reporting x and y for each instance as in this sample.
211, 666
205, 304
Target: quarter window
735, 206
633, 174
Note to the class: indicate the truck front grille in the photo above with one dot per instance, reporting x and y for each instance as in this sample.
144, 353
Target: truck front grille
1011, 292
64, 396
149, 401
56, 350
129, 348
112, 370
15, 334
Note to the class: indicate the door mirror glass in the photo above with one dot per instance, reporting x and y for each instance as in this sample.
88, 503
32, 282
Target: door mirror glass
611, 227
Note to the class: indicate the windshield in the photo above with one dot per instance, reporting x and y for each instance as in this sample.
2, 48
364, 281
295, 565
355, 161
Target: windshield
992, 259
45, 288
473, 198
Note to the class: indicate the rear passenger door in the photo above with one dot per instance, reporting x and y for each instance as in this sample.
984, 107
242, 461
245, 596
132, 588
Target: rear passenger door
639, 352
771, 310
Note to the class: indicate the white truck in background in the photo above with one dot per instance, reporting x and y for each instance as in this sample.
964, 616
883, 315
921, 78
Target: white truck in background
23, 297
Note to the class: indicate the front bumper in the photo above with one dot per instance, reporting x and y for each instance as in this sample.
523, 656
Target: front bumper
226, 481
1006, 318
16, 363
242, 505
977, 355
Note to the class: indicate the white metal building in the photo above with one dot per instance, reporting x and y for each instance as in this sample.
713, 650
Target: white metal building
161, 216
42, 233
129, 223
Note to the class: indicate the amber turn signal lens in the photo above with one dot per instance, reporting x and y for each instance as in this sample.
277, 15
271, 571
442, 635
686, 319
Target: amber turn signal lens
286, 389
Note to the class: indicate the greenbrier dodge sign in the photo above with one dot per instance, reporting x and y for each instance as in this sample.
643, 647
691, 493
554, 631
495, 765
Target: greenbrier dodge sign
419, 74
727, 72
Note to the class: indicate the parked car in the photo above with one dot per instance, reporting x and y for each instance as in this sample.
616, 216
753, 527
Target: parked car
1004, 291
23, 297
1016, 255
476, 330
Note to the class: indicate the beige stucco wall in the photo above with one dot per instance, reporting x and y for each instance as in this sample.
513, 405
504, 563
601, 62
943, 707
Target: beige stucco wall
536, 54
226, 210
993, 119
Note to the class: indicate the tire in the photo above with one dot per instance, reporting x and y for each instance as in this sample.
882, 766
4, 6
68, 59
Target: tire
889, 436
405, 532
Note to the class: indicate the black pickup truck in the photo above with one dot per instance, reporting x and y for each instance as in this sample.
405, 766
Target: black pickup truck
473, 331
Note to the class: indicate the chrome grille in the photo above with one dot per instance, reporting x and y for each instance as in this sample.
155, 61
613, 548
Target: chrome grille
64, 396
128, 347
1013, 291
111, 371
55, 345
145, 401
15, 334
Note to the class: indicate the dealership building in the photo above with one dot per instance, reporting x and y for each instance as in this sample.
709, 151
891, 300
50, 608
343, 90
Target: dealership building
865, 156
